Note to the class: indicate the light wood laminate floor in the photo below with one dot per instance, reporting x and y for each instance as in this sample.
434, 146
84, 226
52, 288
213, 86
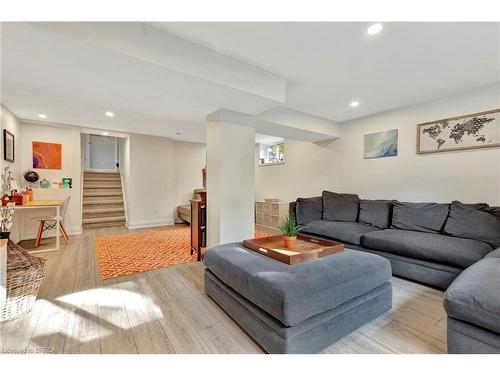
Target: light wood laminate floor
166, 311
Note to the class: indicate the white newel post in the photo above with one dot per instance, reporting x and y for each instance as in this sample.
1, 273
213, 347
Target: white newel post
230, 177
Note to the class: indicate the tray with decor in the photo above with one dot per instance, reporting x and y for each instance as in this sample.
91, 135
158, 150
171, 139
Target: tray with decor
305, 248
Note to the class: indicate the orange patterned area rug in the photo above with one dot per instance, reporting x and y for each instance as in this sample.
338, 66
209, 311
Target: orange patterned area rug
129, 253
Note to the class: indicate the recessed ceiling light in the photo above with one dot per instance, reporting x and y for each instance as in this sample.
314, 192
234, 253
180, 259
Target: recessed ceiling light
41, 115
374, 29
110, 114
354, 104
105, 133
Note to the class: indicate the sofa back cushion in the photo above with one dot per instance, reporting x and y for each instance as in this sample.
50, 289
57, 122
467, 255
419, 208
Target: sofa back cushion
308, 209
477, 222
420, 217
340, 207
377, 213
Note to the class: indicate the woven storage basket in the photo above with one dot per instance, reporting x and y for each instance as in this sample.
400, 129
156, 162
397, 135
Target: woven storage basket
24, 275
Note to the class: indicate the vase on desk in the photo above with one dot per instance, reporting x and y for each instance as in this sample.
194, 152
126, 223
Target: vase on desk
44, 184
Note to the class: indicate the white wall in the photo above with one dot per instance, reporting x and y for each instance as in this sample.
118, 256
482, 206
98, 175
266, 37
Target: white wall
124, 157
10, 122
150, 181
189, 160
158, 175
230, 179
470, 176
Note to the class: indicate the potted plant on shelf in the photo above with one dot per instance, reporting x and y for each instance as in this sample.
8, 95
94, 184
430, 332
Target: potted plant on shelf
289, 229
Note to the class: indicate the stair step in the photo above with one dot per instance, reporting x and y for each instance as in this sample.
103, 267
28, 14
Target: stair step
107, 219
104, 225
105, 185
102, 200
102, 179
102, 193
93, 206
103, 210
112, 173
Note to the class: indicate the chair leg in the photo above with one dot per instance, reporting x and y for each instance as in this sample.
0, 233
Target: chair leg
39, 233
63, 232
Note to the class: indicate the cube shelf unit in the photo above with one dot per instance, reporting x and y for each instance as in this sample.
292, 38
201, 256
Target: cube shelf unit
270, 214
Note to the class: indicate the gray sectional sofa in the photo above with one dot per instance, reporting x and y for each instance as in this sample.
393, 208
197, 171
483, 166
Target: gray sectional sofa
448, 246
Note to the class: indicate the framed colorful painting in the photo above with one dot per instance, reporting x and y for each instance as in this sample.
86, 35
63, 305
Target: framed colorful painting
47, 155
381, 144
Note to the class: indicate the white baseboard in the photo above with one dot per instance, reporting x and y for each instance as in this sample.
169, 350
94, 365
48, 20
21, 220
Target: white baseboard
148, 224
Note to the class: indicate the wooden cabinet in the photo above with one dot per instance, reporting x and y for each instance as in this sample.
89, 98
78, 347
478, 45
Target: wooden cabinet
198, 226
270, 214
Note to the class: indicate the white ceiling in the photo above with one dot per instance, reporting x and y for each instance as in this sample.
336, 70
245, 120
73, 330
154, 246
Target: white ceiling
327, 65
164, 78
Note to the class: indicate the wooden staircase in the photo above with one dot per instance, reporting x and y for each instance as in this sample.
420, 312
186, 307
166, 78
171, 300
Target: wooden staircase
102, 200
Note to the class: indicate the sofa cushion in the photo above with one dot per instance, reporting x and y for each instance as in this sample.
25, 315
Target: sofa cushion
474, 296
295, 293
421, 217
375, 212
308, 209
494, 254
342, 231
453, 251
340, 207
468, 221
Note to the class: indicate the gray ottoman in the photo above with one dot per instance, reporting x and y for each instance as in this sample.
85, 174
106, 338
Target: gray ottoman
302, 308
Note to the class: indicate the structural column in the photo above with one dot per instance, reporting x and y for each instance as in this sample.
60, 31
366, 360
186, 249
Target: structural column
230, 177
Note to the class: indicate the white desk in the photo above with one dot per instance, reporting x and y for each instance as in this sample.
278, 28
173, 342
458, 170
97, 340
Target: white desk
43, 204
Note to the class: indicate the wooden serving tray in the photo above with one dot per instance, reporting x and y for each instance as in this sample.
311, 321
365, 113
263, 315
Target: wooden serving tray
306, 248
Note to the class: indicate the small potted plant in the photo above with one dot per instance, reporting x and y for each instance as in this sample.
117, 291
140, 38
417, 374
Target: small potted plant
289, 229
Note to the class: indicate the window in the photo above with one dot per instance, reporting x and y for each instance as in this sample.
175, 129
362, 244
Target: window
272, 153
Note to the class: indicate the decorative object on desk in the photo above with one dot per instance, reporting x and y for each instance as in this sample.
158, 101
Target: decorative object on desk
6, 219
24, 276
476, 130
381, 144
31, 177
17, 198
28, 193
47, 155
289, 228
44, 184
67, 182
8, 146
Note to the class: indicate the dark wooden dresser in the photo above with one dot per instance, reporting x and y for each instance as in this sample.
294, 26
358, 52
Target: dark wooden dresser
199, 223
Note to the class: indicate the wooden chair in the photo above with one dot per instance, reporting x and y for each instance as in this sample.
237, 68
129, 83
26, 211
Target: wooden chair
50, 223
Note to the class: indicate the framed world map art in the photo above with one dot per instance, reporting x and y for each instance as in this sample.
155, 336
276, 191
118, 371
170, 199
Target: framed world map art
477, 130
